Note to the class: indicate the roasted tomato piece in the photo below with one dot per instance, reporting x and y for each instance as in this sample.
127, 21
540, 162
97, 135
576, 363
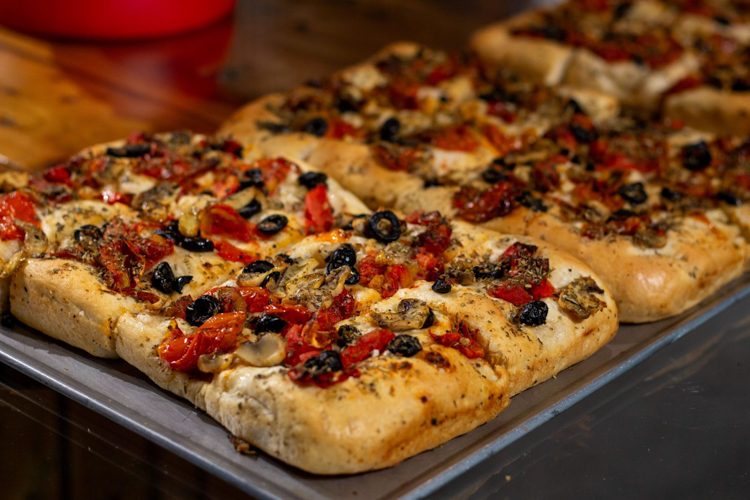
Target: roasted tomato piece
396, 277
217, 334
453, 138
464, 340
515, 293
475, 205
256, 298
229, 252
291, 314
15, 205
318, 211
376, 340
222, 220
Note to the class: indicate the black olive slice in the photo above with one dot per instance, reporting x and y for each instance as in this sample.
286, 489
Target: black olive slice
203, 308
348, 334
250, 209
493, 175
163, 278
534, 313
729, 198
431, 183
259, 266
353, 278
196, 244
529, 201
572, 105
252, 178
635, 193
272, 224
405, 345
581, 134
389, 129
271, 276
316, 126
696, 156
622, 214
382, 232
441, 286
494, 95
270, 323
430, 319
88, 231
345, 255
671, 194
130, 150
325, 362
171, 231
312, 179
181, 282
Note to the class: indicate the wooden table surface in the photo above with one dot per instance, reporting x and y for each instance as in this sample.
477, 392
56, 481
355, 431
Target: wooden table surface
59, 96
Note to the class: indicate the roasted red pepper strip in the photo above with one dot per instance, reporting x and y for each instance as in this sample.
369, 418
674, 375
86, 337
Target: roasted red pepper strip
217, 334
514, 293
229, 252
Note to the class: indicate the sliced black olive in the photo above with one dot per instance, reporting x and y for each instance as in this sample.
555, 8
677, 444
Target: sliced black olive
500, 161
203, 308
441, 286
130, 150
181, 282
405, 345
696, 156
389, 129
495, 95
349, 226
274, 127
722, 20
590, 166
196, 244
312, 179
551, 32
493, 175
316, 126
581, 134
529, 201
622, 214
259, 266
252, 178
671, 194
270, 323
382, 232
494, 274
635, 193
163, 278
272, 224
431, 183
325, 362
250, 209
345, 255
345, 105
430, 320
729, 198
534, 313
621, 10
271, 276
353, 277
573, 106
348, 334
740, 85
88, 231
171, 231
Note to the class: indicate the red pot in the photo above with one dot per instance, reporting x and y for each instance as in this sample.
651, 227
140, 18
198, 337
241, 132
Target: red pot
111, 19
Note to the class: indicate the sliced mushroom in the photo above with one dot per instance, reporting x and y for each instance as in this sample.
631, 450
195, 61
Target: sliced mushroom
411, 314
215, 362
243, 197
270, 350
578, 300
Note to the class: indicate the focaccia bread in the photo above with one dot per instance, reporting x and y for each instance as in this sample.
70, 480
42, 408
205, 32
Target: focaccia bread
123, 226
429, 324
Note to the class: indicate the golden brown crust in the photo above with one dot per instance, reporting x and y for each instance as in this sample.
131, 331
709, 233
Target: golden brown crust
420, 403
65, 300
652, 284
711, 109
497, 47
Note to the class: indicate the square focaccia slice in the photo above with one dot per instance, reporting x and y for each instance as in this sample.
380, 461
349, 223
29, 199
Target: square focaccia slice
666, 200
172, 235
625, 49
371, 321
408, 117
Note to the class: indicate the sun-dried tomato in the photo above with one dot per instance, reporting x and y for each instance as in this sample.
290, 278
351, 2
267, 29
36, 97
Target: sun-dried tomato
256, 298
292, 314
224, 187
476, 205
512, 292
318, 211
229, 252
464, 340
397, 158
222, 220
453, 138
396, 277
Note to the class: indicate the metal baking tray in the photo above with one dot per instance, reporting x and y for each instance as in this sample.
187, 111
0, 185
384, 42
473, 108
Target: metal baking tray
121, 393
